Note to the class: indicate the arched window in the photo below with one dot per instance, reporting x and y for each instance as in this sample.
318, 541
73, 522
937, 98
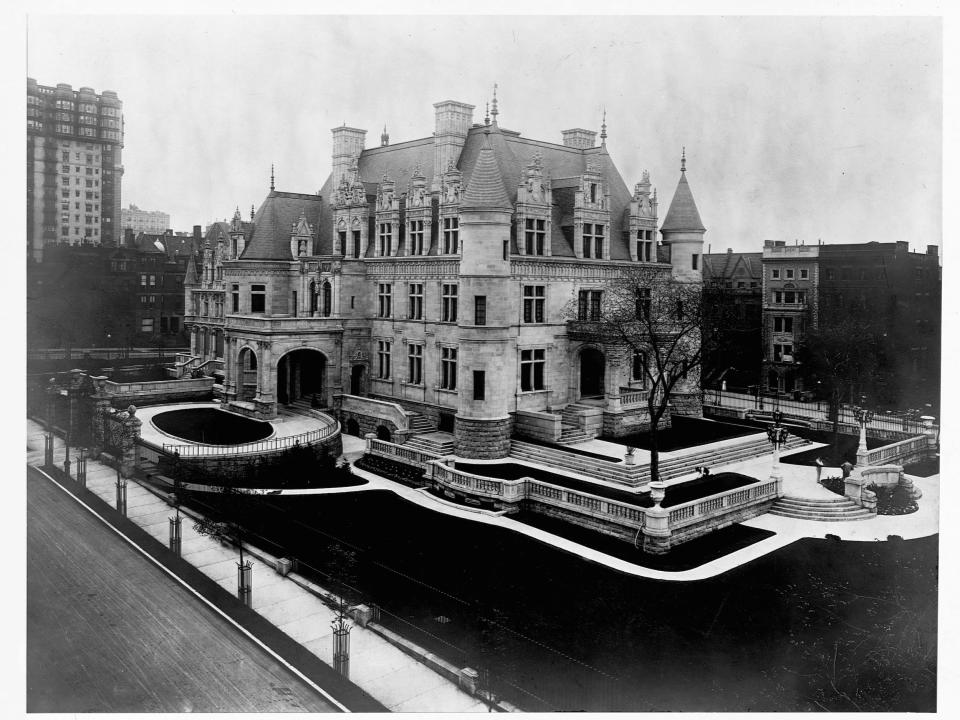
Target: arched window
313, 297
327, 299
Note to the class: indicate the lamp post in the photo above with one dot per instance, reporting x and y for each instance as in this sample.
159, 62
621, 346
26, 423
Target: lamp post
864, 417
777, 435
66, 440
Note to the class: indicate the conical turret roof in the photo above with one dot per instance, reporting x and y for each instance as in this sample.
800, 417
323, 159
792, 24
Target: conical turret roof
191, 273
485, 188
683, 215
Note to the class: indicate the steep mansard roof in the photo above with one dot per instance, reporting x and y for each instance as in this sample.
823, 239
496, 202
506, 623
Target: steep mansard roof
506, 161
274, 221
683, 214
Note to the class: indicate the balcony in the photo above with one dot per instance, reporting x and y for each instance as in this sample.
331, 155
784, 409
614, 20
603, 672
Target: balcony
283, 323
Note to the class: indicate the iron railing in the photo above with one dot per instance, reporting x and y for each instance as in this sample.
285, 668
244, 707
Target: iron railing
261, 446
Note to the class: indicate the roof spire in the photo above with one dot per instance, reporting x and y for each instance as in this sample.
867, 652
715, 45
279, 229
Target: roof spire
683, 159
603, 129
251, 212
486, 117
271, 176
384, 137
494, 112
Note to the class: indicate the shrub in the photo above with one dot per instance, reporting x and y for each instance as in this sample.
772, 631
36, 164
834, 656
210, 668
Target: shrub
833, 484
893, 500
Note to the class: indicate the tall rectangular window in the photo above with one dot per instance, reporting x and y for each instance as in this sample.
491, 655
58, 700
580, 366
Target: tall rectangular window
384, 300
449, 306
258, 298
383, 359
479, 384
638, 369
532, 364
342, 237
356, 244
774, 273
588, 305
386, 240
642, 309
644, 245
783, 324
695, 261
804, 274
480, 310
235, 296
448, 368
535, 232
588, 239
415, 364
416, 301
416, 237
789, 273
451, 236
534, 297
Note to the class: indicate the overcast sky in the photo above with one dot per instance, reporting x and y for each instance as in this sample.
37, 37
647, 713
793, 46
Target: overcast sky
795, 128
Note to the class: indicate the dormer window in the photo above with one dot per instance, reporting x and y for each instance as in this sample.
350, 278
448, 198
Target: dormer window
593, 240
451, 235
534, 236
644, 245
416, 237
386, 240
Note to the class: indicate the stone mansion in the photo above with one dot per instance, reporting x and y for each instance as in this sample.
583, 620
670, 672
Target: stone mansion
442, 284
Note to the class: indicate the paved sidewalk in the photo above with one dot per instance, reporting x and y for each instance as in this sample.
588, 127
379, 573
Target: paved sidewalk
396, 679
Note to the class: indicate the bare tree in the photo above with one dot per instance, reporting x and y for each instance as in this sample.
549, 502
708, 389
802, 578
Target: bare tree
662, 322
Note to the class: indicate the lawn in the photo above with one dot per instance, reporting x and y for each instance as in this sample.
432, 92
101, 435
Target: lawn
686, 432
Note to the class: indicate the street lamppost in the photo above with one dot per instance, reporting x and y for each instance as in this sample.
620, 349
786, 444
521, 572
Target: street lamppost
864, 417
777, 435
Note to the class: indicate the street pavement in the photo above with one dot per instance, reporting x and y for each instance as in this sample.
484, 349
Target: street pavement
399, 681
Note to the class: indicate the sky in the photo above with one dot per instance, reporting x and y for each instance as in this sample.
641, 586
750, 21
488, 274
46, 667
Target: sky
796, 128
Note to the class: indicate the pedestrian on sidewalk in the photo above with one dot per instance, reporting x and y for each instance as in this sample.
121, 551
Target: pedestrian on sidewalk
819, 468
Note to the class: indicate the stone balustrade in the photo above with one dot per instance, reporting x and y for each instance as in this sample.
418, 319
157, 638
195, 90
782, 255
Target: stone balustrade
705, 508
910, 448
403, 453
380, 409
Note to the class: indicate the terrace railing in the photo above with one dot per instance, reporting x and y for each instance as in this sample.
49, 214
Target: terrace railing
261, 446
409, 455
894, 451
709, 507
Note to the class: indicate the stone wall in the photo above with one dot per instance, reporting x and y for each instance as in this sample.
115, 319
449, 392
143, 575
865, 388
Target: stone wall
483, 439
367, 424
538, 425
628, 422
620, 532
690, 404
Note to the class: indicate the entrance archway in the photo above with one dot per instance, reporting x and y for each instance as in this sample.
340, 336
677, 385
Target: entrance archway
302, 374
353, 427
247, 369
383, 433
357, 377
591, 373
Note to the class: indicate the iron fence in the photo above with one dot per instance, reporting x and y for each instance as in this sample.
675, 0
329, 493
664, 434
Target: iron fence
261, 446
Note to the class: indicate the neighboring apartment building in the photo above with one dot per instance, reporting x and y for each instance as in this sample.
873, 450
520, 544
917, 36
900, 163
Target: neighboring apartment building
439, 275
74, 169
736, 280
146, 221
897, 291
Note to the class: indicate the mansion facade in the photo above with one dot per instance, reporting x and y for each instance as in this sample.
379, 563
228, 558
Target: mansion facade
445, 283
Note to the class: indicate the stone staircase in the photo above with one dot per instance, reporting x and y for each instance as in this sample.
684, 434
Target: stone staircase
439, 443
303, 406
832, 510
634, 475
571, 434
420, 424
574, 427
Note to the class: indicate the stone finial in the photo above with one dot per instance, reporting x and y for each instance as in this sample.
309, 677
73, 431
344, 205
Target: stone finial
271, 177
683, 159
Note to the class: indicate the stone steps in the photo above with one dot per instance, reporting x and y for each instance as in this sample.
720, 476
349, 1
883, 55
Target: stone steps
439, 446
571, 433
833, 510
639, 474
420, 424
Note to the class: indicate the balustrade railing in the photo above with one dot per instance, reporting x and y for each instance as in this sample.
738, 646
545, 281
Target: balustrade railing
412, 456
697, 510
910, 446
261, 446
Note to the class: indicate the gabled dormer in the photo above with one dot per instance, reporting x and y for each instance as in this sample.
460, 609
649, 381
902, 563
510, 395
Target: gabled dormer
450, 194
419, 215
388, 219
350, 214
533, 209
641, 221
591, 215
301, 237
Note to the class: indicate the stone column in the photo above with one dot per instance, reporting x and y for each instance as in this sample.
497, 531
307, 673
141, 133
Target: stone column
130, 435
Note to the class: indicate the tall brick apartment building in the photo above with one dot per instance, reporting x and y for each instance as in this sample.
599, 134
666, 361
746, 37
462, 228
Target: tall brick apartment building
444, 276
74, 169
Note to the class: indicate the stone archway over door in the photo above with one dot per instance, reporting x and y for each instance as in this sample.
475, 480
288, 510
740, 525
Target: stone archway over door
591, 373
302, 374
247, 370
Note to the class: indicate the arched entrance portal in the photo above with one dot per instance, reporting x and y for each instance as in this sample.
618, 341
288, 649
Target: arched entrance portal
591, 373
302, 374
247, 382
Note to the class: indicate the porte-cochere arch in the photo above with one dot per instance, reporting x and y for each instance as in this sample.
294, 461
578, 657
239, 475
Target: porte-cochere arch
302, 374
